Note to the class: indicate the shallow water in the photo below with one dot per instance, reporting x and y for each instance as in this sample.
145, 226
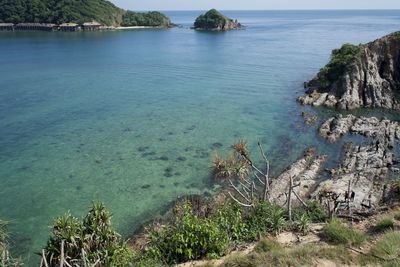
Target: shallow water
133, 118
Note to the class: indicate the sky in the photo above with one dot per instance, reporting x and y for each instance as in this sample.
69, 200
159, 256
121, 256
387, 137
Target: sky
255, 4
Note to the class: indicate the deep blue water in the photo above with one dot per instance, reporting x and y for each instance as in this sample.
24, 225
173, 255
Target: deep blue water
133, 118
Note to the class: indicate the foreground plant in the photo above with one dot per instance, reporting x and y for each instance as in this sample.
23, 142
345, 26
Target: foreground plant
92, 241
249, 185
5, 258
338, 233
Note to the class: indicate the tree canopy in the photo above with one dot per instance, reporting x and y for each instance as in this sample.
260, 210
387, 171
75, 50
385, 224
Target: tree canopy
154, 18
210, 20
77, 11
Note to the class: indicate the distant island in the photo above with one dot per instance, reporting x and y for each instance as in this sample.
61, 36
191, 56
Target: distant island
74, 15
214, 20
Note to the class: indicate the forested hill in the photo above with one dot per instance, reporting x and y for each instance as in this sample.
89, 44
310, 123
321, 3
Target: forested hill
78, 11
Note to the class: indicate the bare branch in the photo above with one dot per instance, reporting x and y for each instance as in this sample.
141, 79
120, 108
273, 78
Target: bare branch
238, 191
44, 259
298, 197
240, 203
258, 178
62, 254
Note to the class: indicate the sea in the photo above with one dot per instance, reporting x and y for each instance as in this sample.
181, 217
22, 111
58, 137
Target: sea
134, 118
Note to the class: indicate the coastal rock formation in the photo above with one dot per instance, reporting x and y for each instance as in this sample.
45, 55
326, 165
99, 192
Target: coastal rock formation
364, 168
359, 76
304, 171
336, 127
384, 131
213, 20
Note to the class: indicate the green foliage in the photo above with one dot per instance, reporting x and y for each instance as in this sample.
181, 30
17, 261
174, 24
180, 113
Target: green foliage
211, 20
236, 165
388, 248
384, 225
304, 216
265, 218
188, 237
78, 11
341, 61
94, 235
397, 216
302, 223
229, 219
154, 19
59, 11
338, 233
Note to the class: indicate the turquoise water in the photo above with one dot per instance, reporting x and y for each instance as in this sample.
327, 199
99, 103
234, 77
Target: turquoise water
133, 118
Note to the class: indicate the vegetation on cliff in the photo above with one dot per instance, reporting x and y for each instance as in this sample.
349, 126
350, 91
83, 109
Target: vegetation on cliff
341, 61
214, 20
77, 11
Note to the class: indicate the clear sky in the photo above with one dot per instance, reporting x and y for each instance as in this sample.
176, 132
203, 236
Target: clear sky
255, 4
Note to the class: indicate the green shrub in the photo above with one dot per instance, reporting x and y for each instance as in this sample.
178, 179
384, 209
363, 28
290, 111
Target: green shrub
94, 235
187, 238
302, 223
264, 218
338, 233
314, 212
341, 61
397, 216
388, 248
384, 225
230, 220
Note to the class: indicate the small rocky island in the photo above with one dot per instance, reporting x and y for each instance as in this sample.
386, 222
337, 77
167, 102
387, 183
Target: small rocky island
359, 76
214, 20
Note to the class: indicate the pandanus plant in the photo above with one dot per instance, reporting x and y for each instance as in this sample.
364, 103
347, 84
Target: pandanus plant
245, 179
92, 242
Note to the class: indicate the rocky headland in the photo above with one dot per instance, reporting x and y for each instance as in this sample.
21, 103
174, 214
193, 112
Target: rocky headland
214, 20
359, 76
362, 76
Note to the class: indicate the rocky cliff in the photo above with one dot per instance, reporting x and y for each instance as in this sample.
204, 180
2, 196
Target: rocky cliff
359, 76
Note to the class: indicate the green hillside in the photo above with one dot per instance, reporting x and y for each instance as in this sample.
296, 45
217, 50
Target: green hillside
78, 11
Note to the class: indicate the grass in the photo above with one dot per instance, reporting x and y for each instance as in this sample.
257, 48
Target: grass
338, 233
384, 225
268, 253
388, 248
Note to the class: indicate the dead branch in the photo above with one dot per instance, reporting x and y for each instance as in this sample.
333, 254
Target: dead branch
239, 202
238, 191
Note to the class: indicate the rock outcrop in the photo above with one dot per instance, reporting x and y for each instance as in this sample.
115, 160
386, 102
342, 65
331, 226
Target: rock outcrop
336, 127
363, 167
304, 171
359, 76
384, 132
213, 20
